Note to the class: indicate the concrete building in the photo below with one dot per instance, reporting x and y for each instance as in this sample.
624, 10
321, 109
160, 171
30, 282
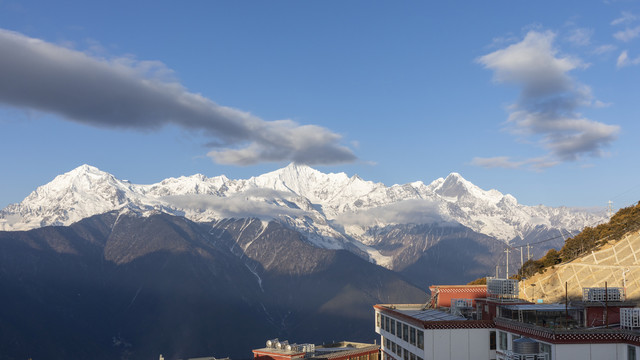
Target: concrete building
501, 326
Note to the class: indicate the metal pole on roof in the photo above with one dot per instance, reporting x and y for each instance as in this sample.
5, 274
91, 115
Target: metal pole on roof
624, 282
566, 304
606, 304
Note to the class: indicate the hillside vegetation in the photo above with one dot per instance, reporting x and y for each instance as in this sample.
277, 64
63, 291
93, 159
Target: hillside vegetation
591, 238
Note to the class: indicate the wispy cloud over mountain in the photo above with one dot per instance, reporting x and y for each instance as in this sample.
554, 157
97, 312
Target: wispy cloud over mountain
413, 211
133, 94
547, 108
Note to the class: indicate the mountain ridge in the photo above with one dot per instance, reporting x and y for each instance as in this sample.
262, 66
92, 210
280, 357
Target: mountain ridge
333, 211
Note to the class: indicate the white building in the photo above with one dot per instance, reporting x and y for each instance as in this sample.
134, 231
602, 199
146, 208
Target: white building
505, 327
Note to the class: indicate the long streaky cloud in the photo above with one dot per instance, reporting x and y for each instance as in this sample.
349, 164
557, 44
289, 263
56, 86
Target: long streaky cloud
126, 93
547, 108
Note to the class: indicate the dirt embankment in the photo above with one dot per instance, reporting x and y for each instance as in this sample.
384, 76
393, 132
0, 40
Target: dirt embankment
616, 263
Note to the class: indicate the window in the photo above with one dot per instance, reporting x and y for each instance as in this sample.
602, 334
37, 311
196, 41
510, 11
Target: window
631, 352
393, 347
492, 340
412, 357
546, 348
393, 327
406, 354
405, 332
399, 331
503, 340
421, 339
386, 323
387, 344
412, 336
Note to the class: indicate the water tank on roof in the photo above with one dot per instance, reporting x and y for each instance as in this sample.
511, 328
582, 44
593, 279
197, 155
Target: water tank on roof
272, 343
281, 345
525, 346
292, 347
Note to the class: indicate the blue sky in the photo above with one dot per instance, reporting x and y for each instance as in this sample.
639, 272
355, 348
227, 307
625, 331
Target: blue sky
536, 99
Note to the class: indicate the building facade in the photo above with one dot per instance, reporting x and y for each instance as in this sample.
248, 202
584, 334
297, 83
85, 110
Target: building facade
502, 326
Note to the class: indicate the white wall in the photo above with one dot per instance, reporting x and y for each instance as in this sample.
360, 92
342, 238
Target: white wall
429, 343
572, 352
590, 352
457, 344
604, 351
479, 344
460, 344
442, 345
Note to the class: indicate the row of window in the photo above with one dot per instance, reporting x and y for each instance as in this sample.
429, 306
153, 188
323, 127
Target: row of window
407, 333
398, 350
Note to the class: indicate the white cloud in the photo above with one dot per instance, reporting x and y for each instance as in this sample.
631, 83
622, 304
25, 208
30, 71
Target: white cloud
414, 211
625, 18
532, 64
604, 49
580, 36
627, 35
624, 60
547, 107
144, 95
260, 203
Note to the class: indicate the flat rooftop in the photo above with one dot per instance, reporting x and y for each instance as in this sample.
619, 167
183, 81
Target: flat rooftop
418, 312
431, 315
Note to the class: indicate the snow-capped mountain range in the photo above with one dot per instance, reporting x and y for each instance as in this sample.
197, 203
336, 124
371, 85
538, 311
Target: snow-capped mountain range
331, 210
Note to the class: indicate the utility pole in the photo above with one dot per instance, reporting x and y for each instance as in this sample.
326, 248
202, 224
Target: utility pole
521, 257
528, 254
610, 209
507, 251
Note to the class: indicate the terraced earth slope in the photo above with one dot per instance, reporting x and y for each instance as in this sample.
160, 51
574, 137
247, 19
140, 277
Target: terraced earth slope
616, 263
